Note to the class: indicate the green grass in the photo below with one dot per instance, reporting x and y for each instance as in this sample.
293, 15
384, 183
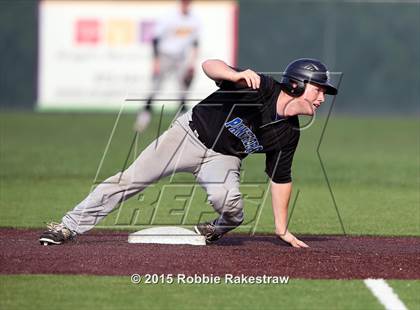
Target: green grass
48, 163
407, 291
90, 292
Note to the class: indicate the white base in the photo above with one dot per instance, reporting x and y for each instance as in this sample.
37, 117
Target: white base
167, 235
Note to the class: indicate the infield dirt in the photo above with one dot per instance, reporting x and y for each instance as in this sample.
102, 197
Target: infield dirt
104, 252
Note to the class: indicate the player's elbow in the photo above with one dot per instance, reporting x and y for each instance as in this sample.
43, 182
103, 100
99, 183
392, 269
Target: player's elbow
206, 65
207, 68
214, 68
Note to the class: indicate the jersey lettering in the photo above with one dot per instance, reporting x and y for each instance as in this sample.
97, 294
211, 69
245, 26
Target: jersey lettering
247, 137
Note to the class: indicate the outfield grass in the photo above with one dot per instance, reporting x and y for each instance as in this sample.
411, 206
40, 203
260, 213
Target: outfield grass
49, 163
408, 292
90, 292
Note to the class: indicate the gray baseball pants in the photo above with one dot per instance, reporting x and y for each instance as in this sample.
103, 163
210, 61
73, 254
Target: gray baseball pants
178, 149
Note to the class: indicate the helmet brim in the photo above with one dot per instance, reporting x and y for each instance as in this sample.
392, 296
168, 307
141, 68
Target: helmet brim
329, 89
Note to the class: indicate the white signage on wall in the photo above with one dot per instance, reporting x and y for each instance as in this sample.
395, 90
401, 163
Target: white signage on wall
97, 54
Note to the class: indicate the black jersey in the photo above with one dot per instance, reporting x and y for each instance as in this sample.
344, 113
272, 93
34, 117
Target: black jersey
240, 121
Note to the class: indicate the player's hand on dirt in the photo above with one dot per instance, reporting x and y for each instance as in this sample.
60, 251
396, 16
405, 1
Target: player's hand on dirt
292, 240
251, 78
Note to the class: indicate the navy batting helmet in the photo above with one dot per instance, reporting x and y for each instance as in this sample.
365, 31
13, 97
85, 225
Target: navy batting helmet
303, 71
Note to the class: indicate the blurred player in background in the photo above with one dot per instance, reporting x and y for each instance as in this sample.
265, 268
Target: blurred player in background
175, 50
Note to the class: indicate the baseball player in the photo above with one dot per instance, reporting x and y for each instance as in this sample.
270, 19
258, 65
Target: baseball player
249, 113
175, 50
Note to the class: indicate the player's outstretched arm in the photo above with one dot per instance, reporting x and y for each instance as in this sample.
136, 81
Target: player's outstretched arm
218, 71
280, 193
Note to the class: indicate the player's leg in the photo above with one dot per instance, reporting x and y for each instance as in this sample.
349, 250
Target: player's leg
219, 176
157, 79
144, 116
185, 76
174, 151
161, 158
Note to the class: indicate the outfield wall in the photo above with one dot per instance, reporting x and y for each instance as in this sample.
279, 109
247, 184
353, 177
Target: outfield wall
97, 54
376, 44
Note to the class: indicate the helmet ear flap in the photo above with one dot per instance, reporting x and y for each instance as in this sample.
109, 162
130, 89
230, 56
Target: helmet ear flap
287, 86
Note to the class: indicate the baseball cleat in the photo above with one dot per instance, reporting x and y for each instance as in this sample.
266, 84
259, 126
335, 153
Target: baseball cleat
55, 234
208, 230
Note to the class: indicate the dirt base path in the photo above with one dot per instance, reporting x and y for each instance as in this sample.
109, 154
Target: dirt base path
108, 253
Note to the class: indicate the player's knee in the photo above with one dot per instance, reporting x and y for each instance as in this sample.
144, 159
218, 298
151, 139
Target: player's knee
233, 206
225, 201
216, 198
236, 212
233, 197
